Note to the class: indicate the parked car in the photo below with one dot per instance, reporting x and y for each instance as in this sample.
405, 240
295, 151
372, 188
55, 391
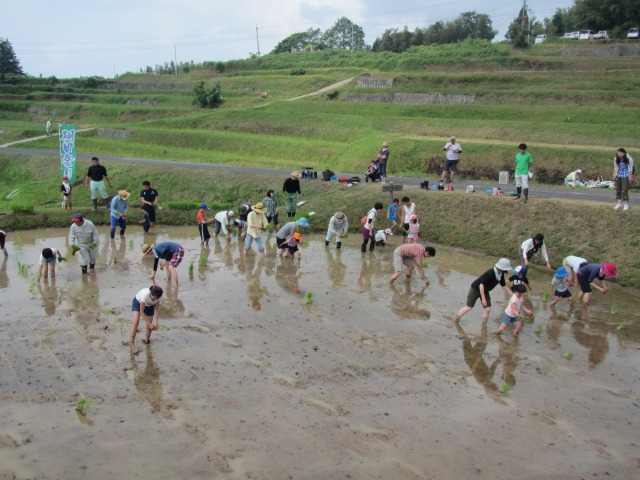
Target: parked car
586, 35
601, 35
541, 38
633, 33
575, 35
567, 35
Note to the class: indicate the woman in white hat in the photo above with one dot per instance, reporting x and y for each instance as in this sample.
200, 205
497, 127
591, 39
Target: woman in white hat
338, 227
291, 189
257, 223
481, 287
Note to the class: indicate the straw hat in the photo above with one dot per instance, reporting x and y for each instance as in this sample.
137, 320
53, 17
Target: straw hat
146, 248
385, 144
123, 194
258, 207
296, 174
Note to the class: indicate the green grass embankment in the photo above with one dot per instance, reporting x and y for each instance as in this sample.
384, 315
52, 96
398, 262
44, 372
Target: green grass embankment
492, 225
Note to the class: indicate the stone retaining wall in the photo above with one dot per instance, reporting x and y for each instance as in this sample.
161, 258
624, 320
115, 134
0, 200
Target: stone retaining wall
619, 50
369, 82
146, 86
37, 110
143, 103
411, 98
114, 133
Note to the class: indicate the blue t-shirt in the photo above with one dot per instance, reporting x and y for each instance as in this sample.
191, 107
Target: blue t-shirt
392, 212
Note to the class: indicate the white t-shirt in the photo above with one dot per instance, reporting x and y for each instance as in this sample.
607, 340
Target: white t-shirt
144, 296
513, 309
224, 221
42, 259
452, 150
408, 211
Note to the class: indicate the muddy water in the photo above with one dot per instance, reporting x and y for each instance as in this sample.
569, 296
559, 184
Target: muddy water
245, 379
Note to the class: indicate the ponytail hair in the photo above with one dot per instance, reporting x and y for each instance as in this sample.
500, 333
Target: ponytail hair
156, 291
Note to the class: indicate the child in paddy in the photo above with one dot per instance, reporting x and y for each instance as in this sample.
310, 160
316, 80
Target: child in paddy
392, 212
560, 288
291, 245
48, 258
414, 229
520, 276
512, 312
145, 304
146, 219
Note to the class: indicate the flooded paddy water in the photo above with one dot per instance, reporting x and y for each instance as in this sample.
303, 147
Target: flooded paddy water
248, 379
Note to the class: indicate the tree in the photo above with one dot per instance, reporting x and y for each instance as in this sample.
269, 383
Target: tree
207, 97
9, 63
344, 35
300, 41
518, 31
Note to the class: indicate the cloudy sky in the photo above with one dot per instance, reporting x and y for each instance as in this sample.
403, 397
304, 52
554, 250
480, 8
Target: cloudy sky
69, 38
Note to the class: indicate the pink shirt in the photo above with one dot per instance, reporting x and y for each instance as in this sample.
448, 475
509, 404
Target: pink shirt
513, 309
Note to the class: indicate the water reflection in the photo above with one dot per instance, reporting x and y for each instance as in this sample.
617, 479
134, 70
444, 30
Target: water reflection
203, 262
288, 276
116, 254
4, 276
255, 291
171, 306
407, 304
49, 295
335, 268
147, 382
508, 357
555, 323
591, 334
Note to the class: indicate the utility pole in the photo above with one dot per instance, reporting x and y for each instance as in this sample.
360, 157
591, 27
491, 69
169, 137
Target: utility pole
175, 59
257, 41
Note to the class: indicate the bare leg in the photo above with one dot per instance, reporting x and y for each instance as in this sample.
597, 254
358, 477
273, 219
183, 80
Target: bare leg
586, 297
485, 314
172, 272
134, 331
501, 328
394, 277
554, 301
518, 328
461, 313
53, 270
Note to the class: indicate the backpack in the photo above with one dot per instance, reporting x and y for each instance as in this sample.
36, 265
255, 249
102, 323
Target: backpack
354, 180
363, 220
327, 174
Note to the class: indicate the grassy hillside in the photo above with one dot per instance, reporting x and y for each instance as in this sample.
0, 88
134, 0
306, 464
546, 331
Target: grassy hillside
492, 225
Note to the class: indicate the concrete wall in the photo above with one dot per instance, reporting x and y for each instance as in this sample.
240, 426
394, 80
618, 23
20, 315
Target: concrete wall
369, 82
37, 110
143, 103
618, 50
147, 86
411, 98
114, 133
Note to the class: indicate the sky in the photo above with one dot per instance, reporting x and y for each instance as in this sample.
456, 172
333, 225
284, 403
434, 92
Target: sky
68, 38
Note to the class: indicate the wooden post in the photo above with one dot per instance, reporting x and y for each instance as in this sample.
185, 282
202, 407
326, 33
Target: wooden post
391, 188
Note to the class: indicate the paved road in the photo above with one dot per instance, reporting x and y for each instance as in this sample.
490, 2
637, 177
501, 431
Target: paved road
537, 191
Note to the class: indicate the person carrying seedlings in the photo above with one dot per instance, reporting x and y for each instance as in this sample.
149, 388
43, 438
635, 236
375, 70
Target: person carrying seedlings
410, 255
522, 159
119, 208
512, 312
286, 231
481, 287
392, 213
203, 221
145, 304
95, 179
290, 246
222, 221
414, 229
520, 276
83, 238
149, 198
587, 275
560, 287
257, 222
338, 227
65, 188
291, 189
382, 237
170, 252
146, 218
573, 263
270, 203
533, 245
369, 228
48, 259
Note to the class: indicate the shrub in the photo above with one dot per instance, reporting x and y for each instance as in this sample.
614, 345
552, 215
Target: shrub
207, 97
21, 208
333, 95
298, 71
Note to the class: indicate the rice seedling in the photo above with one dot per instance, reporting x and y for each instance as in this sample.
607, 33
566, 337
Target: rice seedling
23, 268
115, 260
309, 297
93, 245
622, 325
121, 323
48, 335
504, 388
568, 355
539, 328
614, 309
425, 264
83, 405
546, 296
162, 326
131, 243
203, 261
191, 269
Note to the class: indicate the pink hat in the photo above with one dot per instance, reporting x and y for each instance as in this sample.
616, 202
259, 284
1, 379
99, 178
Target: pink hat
413, 217
609, 269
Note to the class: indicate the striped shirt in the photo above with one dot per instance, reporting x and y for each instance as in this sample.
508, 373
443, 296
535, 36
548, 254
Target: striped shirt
412, 250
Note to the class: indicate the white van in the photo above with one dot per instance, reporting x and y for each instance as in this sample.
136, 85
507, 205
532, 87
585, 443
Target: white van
541, 38
586, 35
633, 33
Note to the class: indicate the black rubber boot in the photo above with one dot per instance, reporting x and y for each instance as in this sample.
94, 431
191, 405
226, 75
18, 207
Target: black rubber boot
92, 266
121, 232
84, 269
526, 195
363, 248
338, 245
518, 192
326, 243
112, 233
95, 204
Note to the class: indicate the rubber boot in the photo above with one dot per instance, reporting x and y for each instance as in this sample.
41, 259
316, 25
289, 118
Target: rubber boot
121, 232
526, 195
92, 266
363, 248
326, 243
112, 233
518, 192
95, 204
338, 245
84, 269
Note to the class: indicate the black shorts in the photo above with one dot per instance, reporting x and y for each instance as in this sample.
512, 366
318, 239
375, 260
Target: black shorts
451, 165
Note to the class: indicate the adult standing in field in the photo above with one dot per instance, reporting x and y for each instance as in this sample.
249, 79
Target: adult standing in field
48, 128
383, 158
533, 245
369, 228
149, 197
170, 252
587, 274
338, 227
622, 175
83, 238
257, 223
481, 287
453, 149
270, 203
572, 264
410, 255
95, 179
523, 159
291, 189
119, 208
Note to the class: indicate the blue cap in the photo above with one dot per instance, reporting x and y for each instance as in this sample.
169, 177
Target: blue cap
204, 205
520, 270
303, 222
561, 272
